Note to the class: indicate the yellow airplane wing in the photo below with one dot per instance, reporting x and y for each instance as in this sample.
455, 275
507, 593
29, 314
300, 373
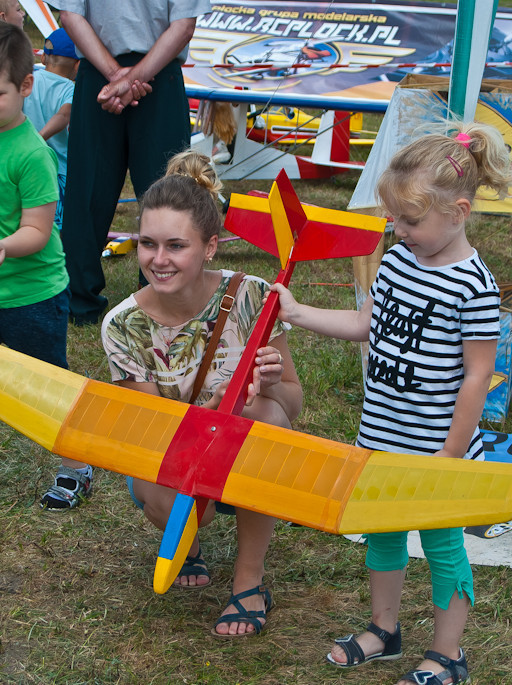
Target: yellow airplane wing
203, 453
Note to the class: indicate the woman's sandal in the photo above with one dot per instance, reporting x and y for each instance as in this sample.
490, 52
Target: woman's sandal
194, 566
457, 670
245, 616
355, 655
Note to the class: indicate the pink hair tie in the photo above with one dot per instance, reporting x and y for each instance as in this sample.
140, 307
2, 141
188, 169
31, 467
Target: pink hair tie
463, 139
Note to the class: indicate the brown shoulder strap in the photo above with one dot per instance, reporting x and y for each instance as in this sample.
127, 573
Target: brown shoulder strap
225, 307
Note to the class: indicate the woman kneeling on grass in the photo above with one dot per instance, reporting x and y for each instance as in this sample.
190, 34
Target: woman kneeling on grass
155, 341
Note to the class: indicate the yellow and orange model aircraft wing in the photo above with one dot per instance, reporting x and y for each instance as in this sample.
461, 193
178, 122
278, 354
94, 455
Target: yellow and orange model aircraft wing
313, 481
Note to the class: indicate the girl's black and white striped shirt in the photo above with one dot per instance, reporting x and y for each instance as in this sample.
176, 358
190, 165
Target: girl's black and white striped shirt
420, 317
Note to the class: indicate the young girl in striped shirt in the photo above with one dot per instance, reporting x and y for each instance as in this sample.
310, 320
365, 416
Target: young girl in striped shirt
432, 322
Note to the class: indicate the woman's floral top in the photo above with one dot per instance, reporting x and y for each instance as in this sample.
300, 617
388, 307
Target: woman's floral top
142, 350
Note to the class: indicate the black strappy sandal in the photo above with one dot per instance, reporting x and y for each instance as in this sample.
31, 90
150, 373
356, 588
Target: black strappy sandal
194, 566
457, 670
245, 616
355, 655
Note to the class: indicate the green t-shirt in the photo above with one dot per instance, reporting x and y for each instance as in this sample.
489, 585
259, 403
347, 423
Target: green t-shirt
28, 178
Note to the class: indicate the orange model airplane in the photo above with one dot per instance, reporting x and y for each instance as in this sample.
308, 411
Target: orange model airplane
217, 454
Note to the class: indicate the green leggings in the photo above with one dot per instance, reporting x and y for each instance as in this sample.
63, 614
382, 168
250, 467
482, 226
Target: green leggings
444, 551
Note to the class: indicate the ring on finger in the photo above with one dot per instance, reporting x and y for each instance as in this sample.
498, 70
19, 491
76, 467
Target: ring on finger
280, 360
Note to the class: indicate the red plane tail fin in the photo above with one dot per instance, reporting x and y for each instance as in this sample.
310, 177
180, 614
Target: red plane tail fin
278, 222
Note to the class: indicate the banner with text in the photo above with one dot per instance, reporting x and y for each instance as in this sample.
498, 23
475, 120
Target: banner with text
355, 49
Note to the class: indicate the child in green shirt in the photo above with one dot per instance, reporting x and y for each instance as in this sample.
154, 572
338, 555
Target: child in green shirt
34, 295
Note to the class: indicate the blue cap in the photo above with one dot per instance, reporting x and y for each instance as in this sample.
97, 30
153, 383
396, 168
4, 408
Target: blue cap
59, 43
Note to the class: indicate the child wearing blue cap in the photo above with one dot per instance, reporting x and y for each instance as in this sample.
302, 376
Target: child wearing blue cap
49, 105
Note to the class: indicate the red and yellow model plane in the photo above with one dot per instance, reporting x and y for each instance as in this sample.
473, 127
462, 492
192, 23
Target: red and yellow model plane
217, 454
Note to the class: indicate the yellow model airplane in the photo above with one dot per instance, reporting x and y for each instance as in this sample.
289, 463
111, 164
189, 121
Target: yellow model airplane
217, 454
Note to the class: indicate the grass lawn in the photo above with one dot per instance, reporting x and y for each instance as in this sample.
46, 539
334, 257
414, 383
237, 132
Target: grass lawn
76, 599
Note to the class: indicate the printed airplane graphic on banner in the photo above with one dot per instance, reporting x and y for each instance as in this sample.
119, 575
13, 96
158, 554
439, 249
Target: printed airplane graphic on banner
354, 50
